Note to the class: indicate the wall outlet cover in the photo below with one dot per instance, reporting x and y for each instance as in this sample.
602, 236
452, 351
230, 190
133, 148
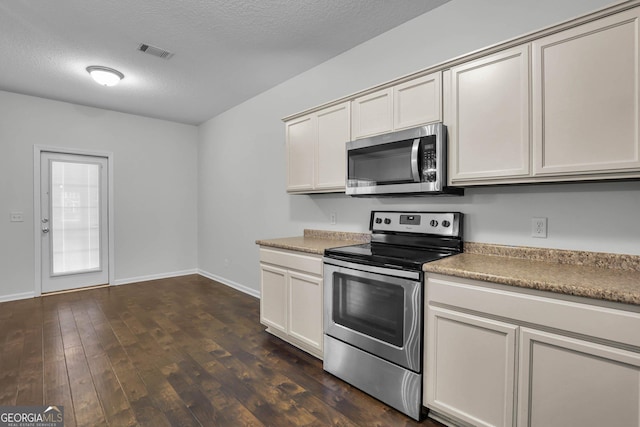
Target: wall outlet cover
539, 228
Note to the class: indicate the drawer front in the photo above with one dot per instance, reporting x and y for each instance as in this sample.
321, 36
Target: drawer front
309, 263
535, 308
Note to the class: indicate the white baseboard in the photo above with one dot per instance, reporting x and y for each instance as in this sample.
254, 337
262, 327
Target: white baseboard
118, 282
154, 277
230, 283
15, 297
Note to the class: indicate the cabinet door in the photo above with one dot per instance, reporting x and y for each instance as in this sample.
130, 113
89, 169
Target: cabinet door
333, 133
305, 308
489, 131
273, 297
470, 367
301, 141
372, 114
417, 102
571, 382
586, 83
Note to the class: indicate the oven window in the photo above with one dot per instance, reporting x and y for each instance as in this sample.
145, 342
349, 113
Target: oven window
371, 307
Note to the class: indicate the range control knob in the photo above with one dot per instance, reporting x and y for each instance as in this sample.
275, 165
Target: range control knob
378, 220
445, 223
433, 223
387, 221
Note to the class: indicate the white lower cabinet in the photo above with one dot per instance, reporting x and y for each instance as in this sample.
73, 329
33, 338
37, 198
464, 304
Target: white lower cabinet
305, 309
495, 356
573, 382
470, 367
291, 297
273, 297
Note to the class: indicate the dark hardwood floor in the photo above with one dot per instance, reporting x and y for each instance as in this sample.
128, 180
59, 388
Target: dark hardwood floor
176, 352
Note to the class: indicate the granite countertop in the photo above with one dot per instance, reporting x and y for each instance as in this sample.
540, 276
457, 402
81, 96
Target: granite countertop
316, 241
610, 277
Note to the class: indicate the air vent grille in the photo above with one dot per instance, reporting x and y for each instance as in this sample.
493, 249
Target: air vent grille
155, 51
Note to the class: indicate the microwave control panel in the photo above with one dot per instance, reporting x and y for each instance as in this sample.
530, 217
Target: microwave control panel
429, 160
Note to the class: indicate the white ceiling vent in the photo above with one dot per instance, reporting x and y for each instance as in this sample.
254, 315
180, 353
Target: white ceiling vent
155, 51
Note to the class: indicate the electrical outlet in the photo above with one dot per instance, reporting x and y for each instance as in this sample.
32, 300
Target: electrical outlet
17, 217
333, 218
539, 227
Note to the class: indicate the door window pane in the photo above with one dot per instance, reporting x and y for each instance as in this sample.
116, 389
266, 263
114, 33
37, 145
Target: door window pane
75, 217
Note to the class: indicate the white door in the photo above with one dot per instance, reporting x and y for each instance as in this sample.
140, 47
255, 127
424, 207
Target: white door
73, 221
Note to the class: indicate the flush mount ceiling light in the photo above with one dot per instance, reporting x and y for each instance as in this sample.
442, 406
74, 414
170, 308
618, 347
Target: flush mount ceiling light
105, 76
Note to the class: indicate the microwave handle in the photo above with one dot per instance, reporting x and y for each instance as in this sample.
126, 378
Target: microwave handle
415, 171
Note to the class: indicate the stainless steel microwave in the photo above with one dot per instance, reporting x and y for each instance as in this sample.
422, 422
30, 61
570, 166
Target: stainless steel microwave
407, 162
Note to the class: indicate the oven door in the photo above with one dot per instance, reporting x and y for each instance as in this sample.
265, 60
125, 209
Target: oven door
374, 311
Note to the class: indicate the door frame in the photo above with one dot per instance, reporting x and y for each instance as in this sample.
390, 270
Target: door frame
37, 239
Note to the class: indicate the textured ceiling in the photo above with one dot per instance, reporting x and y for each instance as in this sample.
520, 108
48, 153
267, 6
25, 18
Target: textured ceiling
226, 51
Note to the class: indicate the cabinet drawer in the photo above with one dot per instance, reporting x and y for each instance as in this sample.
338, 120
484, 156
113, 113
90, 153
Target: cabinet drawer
534, 308
311, 264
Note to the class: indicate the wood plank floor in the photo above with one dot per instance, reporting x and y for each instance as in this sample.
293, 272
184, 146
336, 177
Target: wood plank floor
184, 351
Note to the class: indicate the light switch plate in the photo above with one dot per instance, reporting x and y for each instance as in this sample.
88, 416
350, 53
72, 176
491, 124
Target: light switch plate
333, 218
17, 217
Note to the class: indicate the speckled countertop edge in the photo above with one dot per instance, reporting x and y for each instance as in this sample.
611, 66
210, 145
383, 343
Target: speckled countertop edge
316, 241
557, 256
603, 276
610, 277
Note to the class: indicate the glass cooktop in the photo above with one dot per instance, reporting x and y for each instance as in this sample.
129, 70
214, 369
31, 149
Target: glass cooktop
384, 255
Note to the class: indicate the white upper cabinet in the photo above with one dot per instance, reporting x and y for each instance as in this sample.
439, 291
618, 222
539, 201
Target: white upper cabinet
487, 116
372, 114
586, 83
409, 104
417, 102
333, 134
301, 142
581, 121
559, 105
316, 150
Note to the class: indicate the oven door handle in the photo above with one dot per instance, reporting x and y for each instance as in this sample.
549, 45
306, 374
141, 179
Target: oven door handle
405, 274
415, 150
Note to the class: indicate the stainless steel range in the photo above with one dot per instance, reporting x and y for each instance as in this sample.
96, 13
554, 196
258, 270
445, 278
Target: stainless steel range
373, 303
